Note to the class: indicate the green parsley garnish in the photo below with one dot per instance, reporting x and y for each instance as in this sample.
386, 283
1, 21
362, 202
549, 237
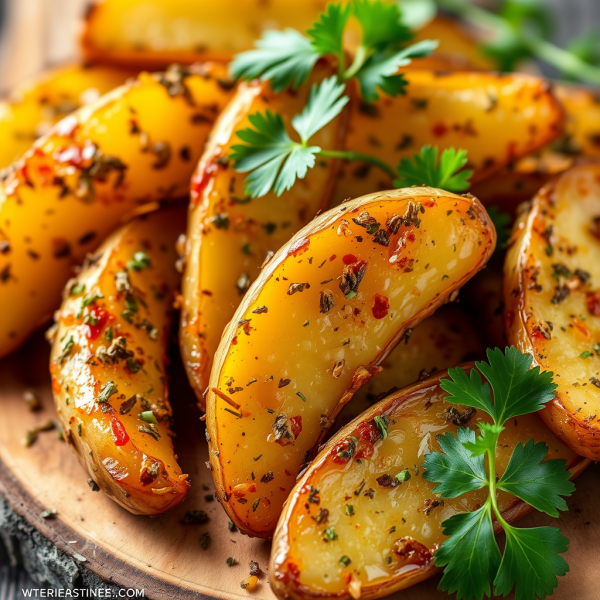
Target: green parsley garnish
139, 262
205, 540
77, 289
330, 534
471, 555
403, 476
425, 169
586, 354
107, 391
148, 416
345, 561
349, 510
66, 349
287, 58
382, 424
195, 517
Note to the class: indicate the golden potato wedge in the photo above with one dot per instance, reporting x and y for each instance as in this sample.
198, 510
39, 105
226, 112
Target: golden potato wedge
446, 338
136, 145
464, 110
582, 125
230, 235
552, 300
34, 108
109, 360
316, 324
152, 34
392, 532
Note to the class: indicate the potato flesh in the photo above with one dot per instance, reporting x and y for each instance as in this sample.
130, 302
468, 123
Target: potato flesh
95, 429
33, 109
443, 340
268, 362
223, 258
417, 417
550, 307
461, 110
53, 212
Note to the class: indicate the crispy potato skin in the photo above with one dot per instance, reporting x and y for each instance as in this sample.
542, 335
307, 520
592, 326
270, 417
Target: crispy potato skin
32, 110
445, 339
418, 414
136, 470
551, 277
463, 110
229, 235
307, 335
136, 145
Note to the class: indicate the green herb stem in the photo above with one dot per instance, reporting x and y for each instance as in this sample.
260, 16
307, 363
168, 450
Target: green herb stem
358, 157
540, 48
359, 60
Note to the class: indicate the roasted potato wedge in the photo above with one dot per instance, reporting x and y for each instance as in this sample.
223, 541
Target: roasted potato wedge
230, 235
582, 126
316, 324
108, 364
464, 110
34, 108
446, 338
552, 300
137, 144
393, 532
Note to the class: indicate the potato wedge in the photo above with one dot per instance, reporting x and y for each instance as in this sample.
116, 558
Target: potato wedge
393, 532
446, 338
230, 235
463, 110
582, 125
552, 300
134, 146
315, 325
109, 360
34, 108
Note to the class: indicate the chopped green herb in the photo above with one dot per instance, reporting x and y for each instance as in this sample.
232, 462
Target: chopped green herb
195, 517
107, 391
403, 476
330, 534
349, 510
148, 416
205, 540
140, 262
345, 561
382, 423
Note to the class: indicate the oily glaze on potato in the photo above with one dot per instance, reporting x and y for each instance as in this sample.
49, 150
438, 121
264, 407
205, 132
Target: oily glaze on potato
33, 109
315, 325
552, 300
389, 534
463, 110
109, 360
230, 234
136, 145
446, 338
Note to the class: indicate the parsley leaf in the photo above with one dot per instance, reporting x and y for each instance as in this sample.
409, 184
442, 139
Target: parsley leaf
538, 483
424, 169
380, 70
274, 159
327, 34
285, 57
531, 562
486, 442
470, 555
518, 390
381, 23
455, 470
468, 390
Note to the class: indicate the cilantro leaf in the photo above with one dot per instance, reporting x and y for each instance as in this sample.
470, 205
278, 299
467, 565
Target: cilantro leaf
538, 483
455, 470
284, 57
274, 160
471, 554
327, 34
468, 390
380, 70
325, 102
381, 23
486, 442
531, 561
424, 168
518, 390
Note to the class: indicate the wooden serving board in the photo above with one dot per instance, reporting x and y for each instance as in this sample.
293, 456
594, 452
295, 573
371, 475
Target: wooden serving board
162, 555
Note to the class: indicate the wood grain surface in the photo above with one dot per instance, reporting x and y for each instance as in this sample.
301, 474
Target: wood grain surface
162, 555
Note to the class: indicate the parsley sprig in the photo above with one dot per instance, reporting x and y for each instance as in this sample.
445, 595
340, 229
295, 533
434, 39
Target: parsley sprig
531, 560
287, 58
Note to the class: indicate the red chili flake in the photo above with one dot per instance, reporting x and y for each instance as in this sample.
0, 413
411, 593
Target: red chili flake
349, 259
295, 425
288, 473
332, 257
592, 300
202, 177
300, 247
368, 431
119, 434
101, 317
234, 341
381, 306
365, 452
439, 130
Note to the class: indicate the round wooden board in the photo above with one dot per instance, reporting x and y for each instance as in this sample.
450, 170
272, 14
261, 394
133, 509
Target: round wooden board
161, 555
